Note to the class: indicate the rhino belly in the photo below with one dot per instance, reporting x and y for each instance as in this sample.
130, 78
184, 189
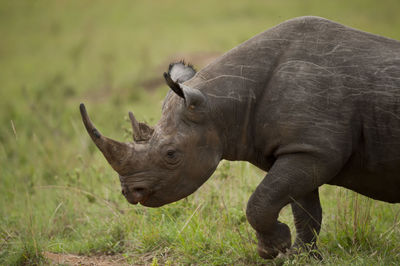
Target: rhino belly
380, 181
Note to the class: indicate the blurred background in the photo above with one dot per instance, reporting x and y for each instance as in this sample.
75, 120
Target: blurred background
58, 194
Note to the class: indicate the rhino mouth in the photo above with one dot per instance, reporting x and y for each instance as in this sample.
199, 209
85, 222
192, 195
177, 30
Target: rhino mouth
137, 195
134, 200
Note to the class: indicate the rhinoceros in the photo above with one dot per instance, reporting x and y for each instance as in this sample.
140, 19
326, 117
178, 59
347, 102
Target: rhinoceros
309, 101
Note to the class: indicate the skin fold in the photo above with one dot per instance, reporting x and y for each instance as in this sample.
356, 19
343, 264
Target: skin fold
310, 101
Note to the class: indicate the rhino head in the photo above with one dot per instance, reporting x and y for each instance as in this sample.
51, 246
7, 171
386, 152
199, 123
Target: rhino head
170, 161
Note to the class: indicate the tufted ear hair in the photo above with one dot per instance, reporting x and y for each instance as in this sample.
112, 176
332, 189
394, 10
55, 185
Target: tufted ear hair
180, 71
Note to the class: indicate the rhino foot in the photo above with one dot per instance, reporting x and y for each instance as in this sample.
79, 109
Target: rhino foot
278, 240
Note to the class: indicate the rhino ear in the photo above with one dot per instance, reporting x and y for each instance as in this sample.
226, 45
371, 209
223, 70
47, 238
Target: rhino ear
193, 98
174, 85
180, 71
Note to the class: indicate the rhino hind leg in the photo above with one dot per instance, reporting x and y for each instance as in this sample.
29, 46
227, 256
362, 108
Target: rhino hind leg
307, 213
293, 176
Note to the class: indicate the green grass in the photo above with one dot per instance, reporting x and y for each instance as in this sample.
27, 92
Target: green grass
57, 193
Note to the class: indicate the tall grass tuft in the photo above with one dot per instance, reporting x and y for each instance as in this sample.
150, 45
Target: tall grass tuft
353, 220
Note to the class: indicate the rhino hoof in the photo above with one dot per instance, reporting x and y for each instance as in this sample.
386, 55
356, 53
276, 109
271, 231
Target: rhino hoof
279, 240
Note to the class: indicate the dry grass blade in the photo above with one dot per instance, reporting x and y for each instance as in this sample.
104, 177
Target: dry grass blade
190, 218
14, 130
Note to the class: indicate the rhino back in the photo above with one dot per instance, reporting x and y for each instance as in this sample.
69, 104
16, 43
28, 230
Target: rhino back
337, 92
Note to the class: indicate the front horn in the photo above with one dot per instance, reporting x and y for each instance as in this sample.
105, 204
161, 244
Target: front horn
117, 153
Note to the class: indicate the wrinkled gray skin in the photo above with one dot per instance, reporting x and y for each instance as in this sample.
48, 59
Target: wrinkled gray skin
310, 101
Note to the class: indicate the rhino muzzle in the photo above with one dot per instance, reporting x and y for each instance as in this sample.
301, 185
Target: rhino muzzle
136, 194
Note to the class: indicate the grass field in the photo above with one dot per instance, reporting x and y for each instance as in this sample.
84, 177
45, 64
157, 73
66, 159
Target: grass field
58, 194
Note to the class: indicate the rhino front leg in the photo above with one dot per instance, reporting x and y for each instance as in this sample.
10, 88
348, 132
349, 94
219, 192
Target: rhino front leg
307, 214
293, 176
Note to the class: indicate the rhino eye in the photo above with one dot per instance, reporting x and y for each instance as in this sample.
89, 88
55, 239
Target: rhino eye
172, 157
171, 154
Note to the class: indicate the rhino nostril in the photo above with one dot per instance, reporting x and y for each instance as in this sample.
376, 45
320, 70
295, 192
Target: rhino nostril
123, 191
138, 189
140, 192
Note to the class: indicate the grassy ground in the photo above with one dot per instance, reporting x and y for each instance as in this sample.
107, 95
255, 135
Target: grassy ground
58, 194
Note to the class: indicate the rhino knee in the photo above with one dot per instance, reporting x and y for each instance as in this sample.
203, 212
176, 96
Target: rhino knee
261, 212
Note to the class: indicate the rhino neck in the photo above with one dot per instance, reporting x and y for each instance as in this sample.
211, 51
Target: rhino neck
232, 109
235, 84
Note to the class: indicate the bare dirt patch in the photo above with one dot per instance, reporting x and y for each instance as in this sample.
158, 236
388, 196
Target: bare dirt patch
98, 260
